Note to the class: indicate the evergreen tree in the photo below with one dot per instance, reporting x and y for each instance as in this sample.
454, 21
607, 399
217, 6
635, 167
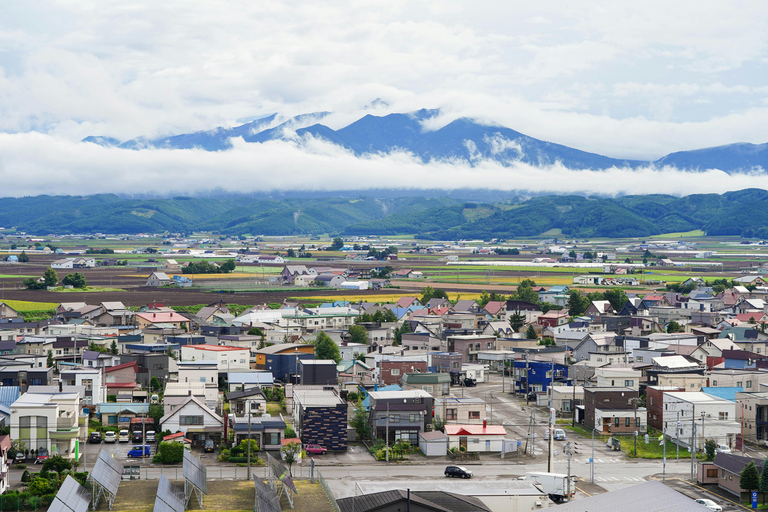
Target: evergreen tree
50, 278
113, 348
358, 334
577, 303
530, 334
750, 478
49, 362
326, 348
764, 480
517, 320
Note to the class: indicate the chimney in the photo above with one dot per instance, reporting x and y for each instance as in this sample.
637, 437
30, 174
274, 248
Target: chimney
189, 392
61, 386
485, 423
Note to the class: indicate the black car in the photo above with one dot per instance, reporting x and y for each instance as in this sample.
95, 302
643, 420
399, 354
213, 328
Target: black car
208, 447
95, 437
137, 437
458, 471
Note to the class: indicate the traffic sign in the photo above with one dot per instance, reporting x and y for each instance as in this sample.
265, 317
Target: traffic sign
754, 499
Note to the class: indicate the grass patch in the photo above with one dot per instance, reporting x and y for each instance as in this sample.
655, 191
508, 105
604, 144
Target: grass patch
682, 234
275, 409
87, 289
11, 276
23, 306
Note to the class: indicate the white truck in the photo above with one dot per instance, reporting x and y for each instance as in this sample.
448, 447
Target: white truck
554, 484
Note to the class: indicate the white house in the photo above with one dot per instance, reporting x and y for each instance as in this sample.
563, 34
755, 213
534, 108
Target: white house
715, 418
476, 438
176, 394
90, 379
158, 279
47, 420
196, 420
65, 263
617, 377
203, 372
228, 358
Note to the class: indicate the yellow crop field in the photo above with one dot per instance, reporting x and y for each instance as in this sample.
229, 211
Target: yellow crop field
25, 305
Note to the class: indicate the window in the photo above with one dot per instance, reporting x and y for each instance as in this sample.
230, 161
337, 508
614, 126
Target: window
738, 385
639, 359
475, 415
749, 385
650, 400
450, 414
272, 438
723, 415
395, 418
396, 371
617, 424
190, 420
637, 422
112, 419
712, 473
714, 384
414, 418
626, 424
428, 389
202, 379
629, 384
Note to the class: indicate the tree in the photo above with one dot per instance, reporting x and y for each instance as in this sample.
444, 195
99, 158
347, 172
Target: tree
438, 423
710, 446
403, 329
526, 293
572, 254
517, 320
290, 453
577, 303
228, 266
673, 327
360, 422
155, 412
154, 383
530, 334
326, 348
764, 480
56, 463
50, 362
76, 280
749, 478
426, 294
358, 334
113, 348
23, 257
337, 244
616, 297
255, 331
50, 278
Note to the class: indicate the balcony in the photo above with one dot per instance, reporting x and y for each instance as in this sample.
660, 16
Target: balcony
63, 433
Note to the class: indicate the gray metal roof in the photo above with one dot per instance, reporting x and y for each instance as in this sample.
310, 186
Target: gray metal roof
650, 496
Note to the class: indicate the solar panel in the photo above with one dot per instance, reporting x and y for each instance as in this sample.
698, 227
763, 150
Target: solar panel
169, 497
107, 472
266, 498
281, 473
195, 472
72, 497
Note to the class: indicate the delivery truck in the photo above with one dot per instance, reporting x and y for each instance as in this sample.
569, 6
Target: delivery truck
554, 484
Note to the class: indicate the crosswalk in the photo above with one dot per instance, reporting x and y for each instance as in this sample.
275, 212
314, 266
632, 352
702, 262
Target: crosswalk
616, 479
600, 461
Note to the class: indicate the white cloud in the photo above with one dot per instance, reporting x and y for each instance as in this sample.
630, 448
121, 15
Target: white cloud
34, 163
625, 80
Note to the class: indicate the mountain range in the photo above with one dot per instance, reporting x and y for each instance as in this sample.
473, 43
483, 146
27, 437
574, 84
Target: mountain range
464, 139
741, 213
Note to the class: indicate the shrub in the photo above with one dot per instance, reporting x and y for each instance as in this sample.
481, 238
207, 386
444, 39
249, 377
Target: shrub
169, 453
289, 433
25, 476
224, 455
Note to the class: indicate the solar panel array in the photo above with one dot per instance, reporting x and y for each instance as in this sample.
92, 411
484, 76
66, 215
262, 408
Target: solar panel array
266, 498
195, 472
107, 472
72, 497
281, 473
169, 497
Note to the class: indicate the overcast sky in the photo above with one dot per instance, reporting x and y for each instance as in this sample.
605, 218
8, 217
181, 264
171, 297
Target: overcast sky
627, 80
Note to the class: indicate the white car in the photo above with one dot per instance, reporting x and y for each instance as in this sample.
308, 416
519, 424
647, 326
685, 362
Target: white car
110, 437
124, 436
710, 505
722, 448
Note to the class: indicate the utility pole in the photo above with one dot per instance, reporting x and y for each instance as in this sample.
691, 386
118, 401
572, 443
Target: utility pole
664, 464
249, 441
528, 384
677, 438
387, 431
634, 402
551, 437
693, 449
568, 454
592, 460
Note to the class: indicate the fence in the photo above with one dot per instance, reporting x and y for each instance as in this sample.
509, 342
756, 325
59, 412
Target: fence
327, 491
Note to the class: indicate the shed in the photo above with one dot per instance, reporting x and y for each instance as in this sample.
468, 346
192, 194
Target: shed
433, 444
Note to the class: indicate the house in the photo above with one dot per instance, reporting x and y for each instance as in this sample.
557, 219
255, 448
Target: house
433, 443
48, 420
407, 302
654, 404
169, 318
495, 309
90, 379
330, 280
119, 415
182, 282
249, 401
467, 411
730, 467
718, 415
614, 376
469, 345
198, 422
238, 381
536, 376
613, 410
651, 496
205, 372
176, 393
403, 414
158, 279
282, 360
436, 384
121, 377
752, 413
392, 368
7, 311
65, 263
320, 417
412, 501
476, 438
566, 398
267, 430
553, 318
291, 272
317, 372
227, 358
355, 371
5, 476
599, 308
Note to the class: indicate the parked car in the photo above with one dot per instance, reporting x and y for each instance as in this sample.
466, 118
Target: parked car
110, 437
709, 505
139, 451
458, 471
150, 436
42, 456
19, 457
208, 447
315, 449
559, 434
137, 436
95, 437
722, 448
124, 436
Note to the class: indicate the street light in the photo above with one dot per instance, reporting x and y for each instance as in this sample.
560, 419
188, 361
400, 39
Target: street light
592, 460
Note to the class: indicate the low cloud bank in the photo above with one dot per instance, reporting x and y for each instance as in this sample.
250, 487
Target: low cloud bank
34, 163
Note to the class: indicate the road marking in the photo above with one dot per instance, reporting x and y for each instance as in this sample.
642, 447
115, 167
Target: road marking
585, 492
